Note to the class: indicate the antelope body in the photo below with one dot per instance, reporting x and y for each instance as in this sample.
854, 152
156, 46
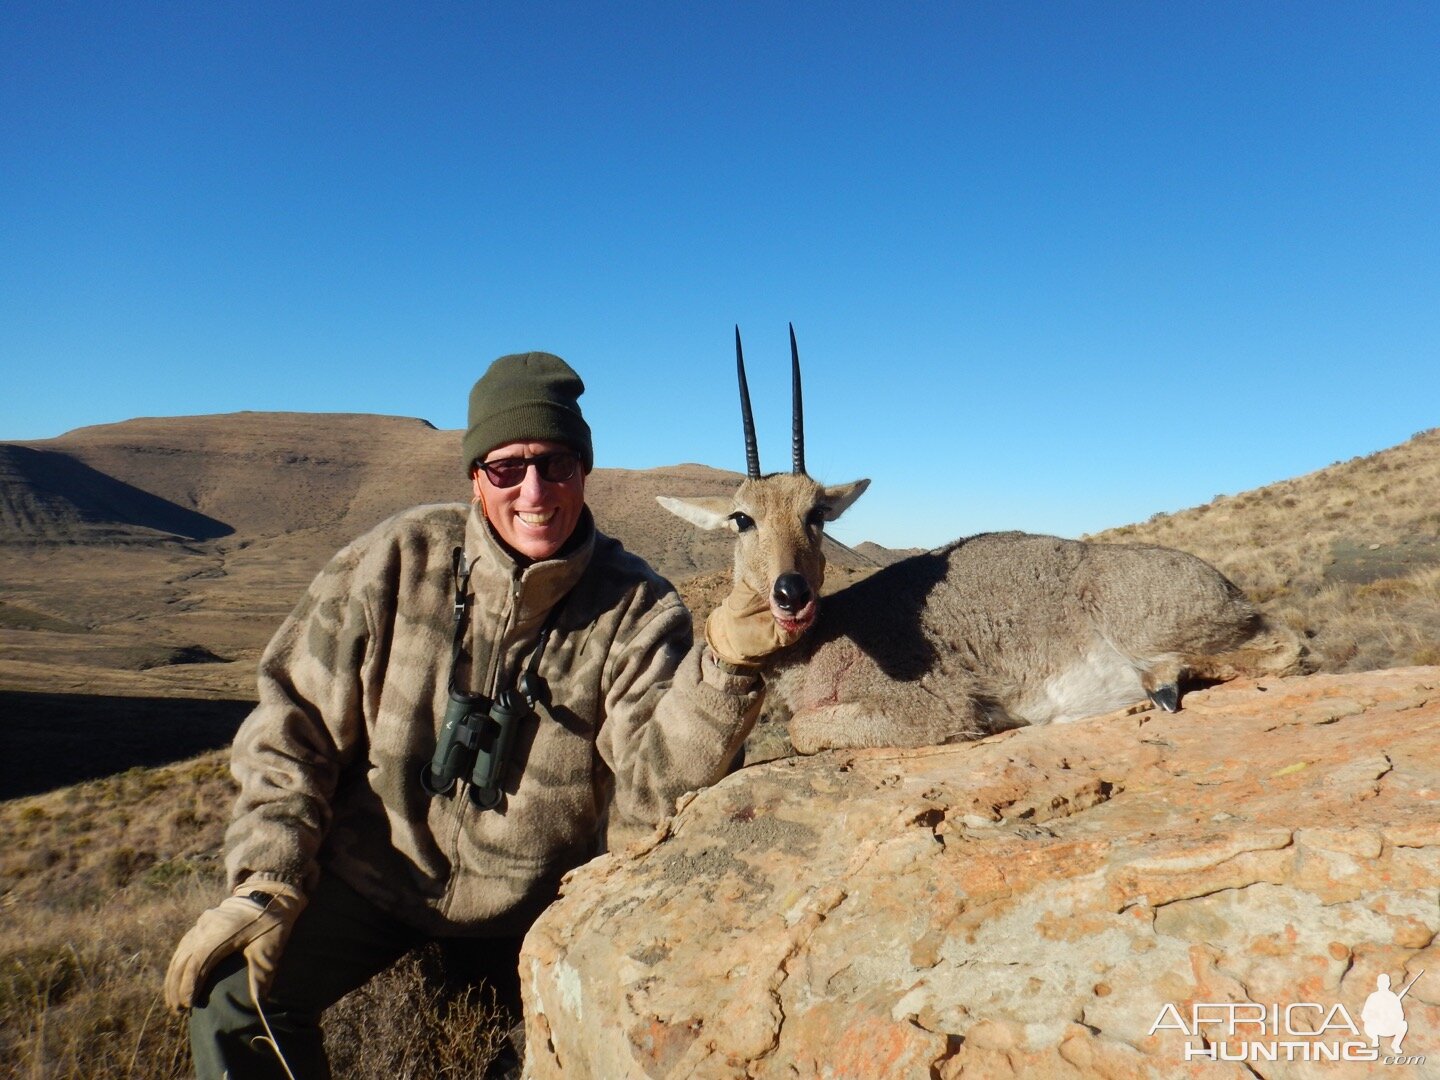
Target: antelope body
989, 632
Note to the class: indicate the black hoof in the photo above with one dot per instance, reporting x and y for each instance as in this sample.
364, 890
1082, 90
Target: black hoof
1167, 697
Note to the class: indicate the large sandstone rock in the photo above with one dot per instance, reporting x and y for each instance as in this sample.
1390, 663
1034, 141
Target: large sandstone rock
1024, 906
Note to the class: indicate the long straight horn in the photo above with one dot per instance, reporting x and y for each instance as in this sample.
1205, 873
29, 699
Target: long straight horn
752, 452
797, 407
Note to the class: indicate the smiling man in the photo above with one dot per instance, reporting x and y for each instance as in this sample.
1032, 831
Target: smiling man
527, 408
532, 494
466, 702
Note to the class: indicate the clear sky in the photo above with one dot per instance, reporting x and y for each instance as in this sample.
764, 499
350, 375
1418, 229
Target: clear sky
1054, 266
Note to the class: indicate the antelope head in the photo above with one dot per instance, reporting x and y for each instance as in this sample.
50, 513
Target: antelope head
778, 518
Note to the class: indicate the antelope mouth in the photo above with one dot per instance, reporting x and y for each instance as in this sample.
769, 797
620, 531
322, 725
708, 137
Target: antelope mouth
794, 622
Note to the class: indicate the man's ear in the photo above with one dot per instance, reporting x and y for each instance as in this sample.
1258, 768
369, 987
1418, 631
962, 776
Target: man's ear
707, 511
839, 497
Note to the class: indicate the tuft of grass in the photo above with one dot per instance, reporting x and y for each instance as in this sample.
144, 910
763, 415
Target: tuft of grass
406, 1022
75, 847
1386, 589
1426, 656
79, 992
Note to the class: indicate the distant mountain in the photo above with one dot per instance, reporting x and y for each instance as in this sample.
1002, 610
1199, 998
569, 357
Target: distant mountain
884, 556
127, 545
49, 496
269, 474
323, 477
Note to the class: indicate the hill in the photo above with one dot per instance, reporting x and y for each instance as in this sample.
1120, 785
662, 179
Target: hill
313, 481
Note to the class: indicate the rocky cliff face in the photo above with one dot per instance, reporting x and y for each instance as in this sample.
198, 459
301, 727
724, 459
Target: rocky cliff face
1048, 902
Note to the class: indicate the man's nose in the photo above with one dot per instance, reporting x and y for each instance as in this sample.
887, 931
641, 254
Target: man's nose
532, 486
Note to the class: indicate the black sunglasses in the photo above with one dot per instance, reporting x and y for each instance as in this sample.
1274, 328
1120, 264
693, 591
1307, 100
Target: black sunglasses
554, 468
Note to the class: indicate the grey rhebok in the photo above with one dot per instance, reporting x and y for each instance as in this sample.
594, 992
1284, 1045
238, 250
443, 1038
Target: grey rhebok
988, 632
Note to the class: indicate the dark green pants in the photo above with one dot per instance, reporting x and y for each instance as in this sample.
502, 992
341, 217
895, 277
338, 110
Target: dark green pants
340, 942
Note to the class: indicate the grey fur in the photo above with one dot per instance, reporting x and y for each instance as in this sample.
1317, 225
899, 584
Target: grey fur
994, 631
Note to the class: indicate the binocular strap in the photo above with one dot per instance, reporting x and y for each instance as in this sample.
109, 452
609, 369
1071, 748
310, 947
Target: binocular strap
528, 682
463, 746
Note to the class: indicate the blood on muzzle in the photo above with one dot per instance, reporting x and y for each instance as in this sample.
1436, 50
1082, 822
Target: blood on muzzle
791, 592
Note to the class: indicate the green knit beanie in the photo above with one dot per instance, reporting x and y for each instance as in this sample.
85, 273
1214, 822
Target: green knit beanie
527, 397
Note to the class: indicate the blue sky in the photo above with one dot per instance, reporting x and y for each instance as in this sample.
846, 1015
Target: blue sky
1053, 266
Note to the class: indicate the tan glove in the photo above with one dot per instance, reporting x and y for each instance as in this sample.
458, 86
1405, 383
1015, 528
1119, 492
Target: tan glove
238, 922
742, 632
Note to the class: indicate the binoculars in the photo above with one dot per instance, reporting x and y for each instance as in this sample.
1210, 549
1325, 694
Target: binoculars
475, 742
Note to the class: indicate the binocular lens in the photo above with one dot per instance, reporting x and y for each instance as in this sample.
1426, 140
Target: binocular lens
475, 742
455, 747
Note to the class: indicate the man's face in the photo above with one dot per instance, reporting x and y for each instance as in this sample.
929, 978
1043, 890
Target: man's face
537, 516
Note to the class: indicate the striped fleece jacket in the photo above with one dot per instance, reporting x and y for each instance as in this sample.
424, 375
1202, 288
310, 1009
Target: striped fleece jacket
353, 690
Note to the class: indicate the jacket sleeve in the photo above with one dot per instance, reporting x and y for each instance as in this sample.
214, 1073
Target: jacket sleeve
673, 720
309, 723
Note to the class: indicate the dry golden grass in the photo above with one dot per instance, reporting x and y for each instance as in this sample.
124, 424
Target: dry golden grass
98, 882
405, 1023
1349, 555
75, 848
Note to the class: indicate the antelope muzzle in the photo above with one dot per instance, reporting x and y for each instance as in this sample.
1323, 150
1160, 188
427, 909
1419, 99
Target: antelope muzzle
792, 602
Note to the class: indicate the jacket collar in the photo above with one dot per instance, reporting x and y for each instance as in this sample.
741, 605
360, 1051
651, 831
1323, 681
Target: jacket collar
536, 586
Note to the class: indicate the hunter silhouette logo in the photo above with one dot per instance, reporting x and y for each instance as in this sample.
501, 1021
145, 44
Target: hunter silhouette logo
1298, 1031
1384, 1013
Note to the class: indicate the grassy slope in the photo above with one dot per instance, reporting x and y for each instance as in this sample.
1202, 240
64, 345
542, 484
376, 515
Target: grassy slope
98, 881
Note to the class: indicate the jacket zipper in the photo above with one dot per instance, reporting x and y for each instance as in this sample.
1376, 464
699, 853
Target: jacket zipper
462, 789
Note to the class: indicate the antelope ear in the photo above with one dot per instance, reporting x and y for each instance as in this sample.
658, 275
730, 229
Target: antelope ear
707, 511
839, 497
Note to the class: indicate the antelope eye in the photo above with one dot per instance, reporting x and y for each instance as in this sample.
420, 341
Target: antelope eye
816, 519
743, 522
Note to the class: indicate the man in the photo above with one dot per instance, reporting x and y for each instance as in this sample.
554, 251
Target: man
341, 855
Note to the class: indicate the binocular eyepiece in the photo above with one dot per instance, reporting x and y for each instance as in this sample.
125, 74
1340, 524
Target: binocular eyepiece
475, 742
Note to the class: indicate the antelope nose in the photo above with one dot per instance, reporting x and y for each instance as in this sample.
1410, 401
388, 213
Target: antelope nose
792, 592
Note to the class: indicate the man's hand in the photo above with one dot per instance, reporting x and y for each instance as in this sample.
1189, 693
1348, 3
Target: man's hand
257, 918
743, 632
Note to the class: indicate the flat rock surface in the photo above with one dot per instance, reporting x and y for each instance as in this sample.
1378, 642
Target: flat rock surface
1047, 902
